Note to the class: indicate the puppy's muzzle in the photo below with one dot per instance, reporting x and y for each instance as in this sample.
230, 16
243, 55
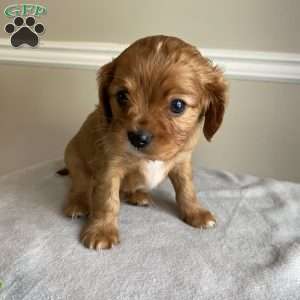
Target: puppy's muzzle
140, 138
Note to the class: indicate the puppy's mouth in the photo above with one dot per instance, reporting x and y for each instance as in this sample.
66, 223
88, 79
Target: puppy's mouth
148, 153
140, 152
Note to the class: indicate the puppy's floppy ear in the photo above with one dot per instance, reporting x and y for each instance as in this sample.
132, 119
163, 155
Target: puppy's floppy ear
215, 98
104, 78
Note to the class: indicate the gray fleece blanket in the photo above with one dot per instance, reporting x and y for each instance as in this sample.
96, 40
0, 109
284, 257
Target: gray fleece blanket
253, 253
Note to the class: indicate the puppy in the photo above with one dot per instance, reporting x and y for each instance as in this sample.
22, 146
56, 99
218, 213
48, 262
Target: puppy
152, 98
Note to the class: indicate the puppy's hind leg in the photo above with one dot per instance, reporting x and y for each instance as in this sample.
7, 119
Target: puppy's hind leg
138, 197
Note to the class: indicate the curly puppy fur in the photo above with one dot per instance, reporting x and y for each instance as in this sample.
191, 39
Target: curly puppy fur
103, 163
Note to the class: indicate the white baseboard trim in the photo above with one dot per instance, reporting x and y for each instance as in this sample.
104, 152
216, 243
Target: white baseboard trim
238, 64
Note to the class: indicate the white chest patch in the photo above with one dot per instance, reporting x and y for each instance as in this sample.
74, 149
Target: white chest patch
154, 172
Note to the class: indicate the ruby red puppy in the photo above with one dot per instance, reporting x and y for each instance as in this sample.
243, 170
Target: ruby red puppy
152, 99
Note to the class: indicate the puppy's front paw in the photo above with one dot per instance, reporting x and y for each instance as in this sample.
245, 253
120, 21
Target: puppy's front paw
200, 218
95, 236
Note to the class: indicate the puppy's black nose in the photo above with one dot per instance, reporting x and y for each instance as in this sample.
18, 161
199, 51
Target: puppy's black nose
140, 138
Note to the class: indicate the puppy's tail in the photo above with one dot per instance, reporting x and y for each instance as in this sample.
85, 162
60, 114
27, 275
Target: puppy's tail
63, 172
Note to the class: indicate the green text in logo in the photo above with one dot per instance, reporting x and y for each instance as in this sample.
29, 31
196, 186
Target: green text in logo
24, 10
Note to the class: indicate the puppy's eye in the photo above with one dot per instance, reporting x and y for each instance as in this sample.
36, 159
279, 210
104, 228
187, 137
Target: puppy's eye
122, 97
177, 106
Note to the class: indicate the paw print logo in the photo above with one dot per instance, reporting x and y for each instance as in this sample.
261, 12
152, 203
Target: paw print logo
24, 32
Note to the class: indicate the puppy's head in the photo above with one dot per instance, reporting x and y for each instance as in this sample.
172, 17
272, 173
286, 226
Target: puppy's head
155, 93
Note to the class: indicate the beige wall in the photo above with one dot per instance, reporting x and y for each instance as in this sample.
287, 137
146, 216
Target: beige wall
271, 25
260, 133
41, 108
